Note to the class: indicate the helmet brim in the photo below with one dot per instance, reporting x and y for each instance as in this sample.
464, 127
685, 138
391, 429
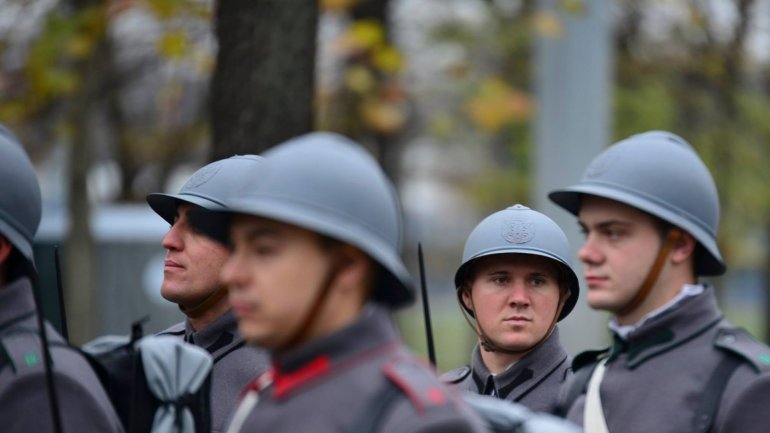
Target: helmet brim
165, 204
710, 263
19, 241
303, 215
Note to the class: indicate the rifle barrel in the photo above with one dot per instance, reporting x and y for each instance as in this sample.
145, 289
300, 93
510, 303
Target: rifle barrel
426, 307
60, 290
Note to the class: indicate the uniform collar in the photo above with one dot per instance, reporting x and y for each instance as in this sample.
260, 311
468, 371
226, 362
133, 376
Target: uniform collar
371, 334
686, 291
523, 375
17, 302
679, 323
218, 336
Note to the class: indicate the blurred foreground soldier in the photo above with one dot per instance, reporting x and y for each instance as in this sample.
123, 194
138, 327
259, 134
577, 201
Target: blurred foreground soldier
314, 274
191, 279
25, 404
650, 211
516, 281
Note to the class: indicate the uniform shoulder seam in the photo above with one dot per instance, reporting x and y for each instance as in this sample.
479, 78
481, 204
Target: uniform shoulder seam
740, 342
456, 375
410, 377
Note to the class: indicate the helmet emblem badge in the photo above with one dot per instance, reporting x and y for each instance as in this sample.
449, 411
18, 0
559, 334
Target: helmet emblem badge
518, 231
202, 176
602, 163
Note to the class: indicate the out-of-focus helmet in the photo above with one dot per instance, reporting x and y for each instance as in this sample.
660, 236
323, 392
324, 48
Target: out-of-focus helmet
20, 202
209, 186
330, 185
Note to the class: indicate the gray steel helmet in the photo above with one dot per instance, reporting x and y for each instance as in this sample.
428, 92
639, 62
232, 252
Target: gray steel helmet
209, 186
659, 173
328, 184
20, 202
520, 230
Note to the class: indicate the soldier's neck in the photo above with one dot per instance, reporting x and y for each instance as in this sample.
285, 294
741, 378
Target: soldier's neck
497, 362
205, 318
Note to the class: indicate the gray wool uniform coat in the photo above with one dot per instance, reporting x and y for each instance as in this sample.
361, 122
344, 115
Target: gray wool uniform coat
235, 363
24, 399
534, 381
656, 379
359, 379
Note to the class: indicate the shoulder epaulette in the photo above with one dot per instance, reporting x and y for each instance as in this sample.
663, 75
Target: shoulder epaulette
457, 375
587, 358
739, 342
21, 350
422, 389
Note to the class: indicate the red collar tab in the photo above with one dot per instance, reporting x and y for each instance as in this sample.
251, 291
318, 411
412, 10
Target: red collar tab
260, 383
285, 382
412, 377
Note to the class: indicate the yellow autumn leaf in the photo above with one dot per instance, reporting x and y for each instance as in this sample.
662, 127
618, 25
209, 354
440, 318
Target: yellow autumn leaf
80, 46
547, 24
359, 79
519, 106
173, 45
366, 34
387, 59
381, 116
164, 8
497, 104
13, 112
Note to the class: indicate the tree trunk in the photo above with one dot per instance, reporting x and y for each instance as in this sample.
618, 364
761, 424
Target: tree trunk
79, 259
262, 90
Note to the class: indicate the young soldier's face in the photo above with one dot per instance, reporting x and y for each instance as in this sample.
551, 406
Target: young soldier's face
273, 275
515, 298
620, 246
193, 262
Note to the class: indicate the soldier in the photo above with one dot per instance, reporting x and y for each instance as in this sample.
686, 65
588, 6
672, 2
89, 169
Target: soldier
314, 274
191, 279
516, 281
74, 400
650, 211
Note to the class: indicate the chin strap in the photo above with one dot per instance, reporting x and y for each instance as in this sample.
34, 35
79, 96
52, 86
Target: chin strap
315, 307
213, 299
672, 237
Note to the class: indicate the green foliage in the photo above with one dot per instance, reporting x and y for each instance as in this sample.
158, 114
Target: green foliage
50, 72
489, 103
453, 338
647, 105
700, 83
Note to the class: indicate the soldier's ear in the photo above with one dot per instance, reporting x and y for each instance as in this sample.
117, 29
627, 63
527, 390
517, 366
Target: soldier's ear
465, 297
353, 265
5, 249
683, 249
